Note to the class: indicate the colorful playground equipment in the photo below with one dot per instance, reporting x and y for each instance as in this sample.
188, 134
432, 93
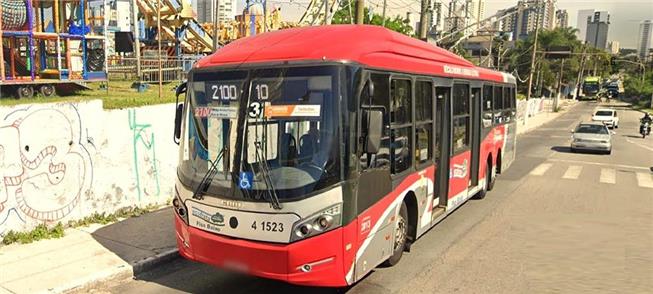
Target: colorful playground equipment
178, 26
50, 46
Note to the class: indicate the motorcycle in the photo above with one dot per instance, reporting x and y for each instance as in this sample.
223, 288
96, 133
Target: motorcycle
645, 128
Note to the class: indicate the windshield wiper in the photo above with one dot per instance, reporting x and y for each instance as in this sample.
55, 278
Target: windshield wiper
208, 177
267, 179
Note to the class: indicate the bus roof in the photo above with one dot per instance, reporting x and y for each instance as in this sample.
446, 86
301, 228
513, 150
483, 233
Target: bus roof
373, 46
592, 79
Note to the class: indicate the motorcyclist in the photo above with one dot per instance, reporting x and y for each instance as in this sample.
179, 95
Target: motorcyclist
647, 119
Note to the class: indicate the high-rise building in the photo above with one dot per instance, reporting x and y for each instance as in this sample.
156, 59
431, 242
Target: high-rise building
205, 10
614, 47
597, 30
581, 23
436, 17
464, 14
562, 18
528, 17
644, 38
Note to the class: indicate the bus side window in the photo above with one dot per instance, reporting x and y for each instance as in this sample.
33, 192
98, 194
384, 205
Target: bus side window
487, 106
498, 105
461, 123
506, 105
379, 101
423, 121
401, 125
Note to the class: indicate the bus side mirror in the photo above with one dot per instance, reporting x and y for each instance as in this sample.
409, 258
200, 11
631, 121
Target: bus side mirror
370, 88
374, 120
179, 113
181, 90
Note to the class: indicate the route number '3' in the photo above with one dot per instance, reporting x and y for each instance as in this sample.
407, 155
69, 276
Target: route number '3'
255, 109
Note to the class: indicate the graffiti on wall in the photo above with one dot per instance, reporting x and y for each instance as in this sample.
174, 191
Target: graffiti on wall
45, 166
144, 154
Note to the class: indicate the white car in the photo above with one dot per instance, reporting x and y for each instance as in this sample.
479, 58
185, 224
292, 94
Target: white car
607, 116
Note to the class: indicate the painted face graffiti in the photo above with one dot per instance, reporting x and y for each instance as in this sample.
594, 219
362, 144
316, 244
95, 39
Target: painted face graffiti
44, 167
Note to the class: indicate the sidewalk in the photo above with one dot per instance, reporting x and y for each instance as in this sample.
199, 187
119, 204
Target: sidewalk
544, 117
88, 255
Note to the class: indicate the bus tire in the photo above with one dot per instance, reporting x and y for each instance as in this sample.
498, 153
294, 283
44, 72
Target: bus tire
401, 236
24, 91
47, 90
488, 179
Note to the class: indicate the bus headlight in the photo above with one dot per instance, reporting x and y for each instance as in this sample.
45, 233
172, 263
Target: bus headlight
318, 223
179, 207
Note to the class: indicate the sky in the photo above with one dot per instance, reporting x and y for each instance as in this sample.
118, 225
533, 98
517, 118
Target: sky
625, 15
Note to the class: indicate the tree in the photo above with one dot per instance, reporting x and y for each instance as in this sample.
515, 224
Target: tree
397, 24
546, 70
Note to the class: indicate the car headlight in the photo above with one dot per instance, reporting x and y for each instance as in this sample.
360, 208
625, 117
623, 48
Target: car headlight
180, 207
318, 223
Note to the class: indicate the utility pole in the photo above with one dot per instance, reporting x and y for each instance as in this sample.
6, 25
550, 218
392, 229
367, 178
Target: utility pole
581, 71
216, 14
326, 12
158, 36
422, 20
360, 10
557, 97
385, 4
137, 41
489, 57
537, 30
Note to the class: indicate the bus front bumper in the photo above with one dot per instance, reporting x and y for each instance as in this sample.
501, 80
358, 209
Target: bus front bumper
321, 254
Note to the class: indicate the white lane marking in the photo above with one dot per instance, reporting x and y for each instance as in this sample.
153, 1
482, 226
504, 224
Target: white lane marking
640, 145
599, 164
608, 176
541, 169
573, 172
644, 180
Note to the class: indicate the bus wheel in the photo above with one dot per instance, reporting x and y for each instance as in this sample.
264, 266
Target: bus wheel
25, 91
47, 90
400, 238
488, 179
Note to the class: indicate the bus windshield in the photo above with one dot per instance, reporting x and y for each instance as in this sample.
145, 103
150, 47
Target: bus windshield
589, 87
267, 130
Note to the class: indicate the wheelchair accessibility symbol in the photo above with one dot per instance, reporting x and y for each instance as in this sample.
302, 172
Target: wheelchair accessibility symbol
245, 181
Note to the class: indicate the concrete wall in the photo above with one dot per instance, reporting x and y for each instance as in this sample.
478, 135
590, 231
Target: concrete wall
64, 161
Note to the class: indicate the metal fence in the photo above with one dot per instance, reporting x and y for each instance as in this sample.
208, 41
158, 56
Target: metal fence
172, 69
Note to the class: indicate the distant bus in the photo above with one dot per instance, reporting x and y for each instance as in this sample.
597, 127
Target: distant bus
591, 88
312, 155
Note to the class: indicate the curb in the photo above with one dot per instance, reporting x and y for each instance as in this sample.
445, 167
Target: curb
118, 273
153, 261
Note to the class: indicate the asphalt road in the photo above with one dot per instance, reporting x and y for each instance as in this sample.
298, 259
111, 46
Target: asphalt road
556, 222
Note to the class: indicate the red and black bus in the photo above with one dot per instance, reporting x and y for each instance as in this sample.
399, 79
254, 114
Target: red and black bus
312, 155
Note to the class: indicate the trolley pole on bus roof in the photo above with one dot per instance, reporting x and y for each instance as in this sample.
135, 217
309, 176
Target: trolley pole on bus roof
537, 30
360, 10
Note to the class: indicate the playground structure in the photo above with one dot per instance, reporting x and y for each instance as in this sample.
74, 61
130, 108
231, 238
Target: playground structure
179, 29
51, 46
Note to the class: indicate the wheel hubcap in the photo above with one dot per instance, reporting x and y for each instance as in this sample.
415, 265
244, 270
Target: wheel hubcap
400, 233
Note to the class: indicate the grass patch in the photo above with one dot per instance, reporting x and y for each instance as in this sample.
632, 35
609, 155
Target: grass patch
103, 218
39, 233
43, 232
119, 95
